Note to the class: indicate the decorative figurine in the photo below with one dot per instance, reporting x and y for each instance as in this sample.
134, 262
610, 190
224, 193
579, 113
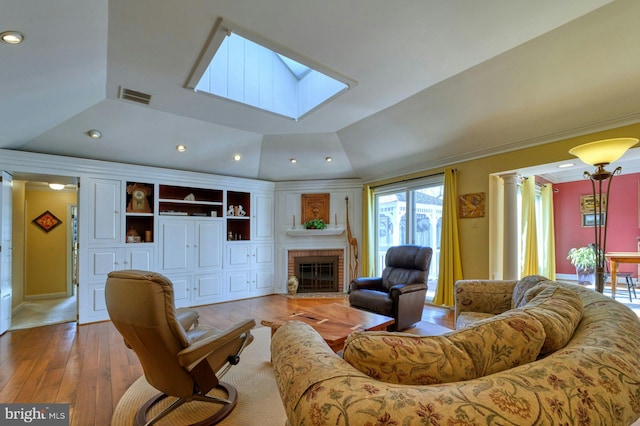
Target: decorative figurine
230, 210
292, 284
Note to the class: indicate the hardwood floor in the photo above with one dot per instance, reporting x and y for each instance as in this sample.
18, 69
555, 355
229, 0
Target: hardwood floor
90, 368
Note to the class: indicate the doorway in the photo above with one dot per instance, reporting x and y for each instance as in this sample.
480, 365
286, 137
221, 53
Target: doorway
45, 263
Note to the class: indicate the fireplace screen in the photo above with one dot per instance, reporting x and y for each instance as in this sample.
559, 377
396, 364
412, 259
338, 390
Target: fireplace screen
317, 273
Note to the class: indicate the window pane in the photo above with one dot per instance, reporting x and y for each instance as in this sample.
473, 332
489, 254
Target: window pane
392, 224
410, 216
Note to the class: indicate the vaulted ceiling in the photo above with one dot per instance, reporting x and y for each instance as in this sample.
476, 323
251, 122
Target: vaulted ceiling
437, 81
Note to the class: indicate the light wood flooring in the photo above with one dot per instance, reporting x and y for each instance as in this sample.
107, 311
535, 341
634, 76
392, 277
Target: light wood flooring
90, 368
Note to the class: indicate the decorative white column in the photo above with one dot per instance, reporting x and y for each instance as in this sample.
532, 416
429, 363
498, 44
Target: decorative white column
510, 233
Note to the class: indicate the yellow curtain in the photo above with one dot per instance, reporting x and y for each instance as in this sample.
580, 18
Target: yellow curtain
450, 264
548, 233
367, 262
529, 229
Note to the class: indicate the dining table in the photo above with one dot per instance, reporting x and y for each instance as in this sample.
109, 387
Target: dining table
615, 258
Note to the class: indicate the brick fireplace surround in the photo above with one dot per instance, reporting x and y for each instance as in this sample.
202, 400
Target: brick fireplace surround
292, 254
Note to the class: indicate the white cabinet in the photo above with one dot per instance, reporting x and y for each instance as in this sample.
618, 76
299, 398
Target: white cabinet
239, 255
249, 269
105, 206
198, 289
214, 244
190, 244
101, 262
263, 217
246, 255
104, 260
191, 257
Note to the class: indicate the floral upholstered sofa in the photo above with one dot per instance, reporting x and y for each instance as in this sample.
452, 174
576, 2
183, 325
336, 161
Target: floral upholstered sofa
529, 352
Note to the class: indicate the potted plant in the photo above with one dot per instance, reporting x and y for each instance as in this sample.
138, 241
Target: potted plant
315, 224
584, 260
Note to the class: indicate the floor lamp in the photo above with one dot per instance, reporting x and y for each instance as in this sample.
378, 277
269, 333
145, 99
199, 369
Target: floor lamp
599, 154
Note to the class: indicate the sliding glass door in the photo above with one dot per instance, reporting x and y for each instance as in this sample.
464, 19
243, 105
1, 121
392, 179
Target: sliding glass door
409, 213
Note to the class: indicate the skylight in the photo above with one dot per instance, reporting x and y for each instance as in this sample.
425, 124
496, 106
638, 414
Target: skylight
245, 71
296, 68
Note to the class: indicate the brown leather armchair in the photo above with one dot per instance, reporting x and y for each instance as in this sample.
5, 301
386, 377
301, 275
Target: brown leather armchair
401, 290
179, 359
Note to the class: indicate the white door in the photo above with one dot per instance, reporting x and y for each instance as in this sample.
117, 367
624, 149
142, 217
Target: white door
105, 210
5, 252
176, 241
208, 244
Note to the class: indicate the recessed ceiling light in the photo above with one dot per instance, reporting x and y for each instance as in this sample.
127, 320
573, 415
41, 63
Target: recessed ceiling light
12, 37
565, 165
293, 160
94, 134
328, 159
181, 148
237, 157
56, 186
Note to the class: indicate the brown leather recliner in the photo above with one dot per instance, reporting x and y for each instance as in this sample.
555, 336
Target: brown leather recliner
401, 291
178, 359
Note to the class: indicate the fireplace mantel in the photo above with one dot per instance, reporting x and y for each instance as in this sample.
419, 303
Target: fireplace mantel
315, 232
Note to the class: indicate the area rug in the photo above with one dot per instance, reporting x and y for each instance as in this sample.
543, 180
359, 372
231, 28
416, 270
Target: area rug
258, 398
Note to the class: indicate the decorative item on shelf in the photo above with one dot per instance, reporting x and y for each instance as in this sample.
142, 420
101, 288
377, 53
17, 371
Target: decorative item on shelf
241, 211
292, 285
230, 236
600, 154
133, 236
316, 206
190, 197
584, 260
315, 224
235, 210
139, 193
230, 210
148, 237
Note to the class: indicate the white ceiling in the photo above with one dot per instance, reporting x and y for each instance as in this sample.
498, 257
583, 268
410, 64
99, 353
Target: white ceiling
438, 81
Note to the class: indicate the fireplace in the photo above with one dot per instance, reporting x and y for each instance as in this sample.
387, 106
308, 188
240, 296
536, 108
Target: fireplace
318, 271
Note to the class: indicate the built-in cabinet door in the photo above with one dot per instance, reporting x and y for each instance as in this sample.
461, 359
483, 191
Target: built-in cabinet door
239, 283
262, 255
176, 245
239, 255
208, 288
263, 282
140, 258
182, 287
263, 217
107, 259
208, 245
102, 261
105, 211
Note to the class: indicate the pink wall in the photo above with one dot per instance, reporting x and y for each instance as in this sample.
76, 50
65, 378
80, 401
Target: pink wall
623, 229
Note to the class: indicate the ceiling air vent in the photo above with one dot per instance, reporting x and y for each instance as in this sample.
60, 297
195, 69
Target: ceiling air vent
135, 96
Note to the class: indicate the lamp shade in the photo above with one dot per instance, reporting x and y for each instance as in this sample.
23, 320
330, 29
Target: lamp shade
603, 152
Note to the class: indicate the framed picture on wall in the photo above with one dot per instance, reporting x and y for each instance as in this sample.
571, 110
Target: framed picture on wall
589, 220
587, 203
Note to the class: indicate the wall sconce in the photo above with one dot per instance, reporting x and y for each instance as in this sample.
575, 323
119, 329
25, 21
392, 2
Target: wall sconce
600, 154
